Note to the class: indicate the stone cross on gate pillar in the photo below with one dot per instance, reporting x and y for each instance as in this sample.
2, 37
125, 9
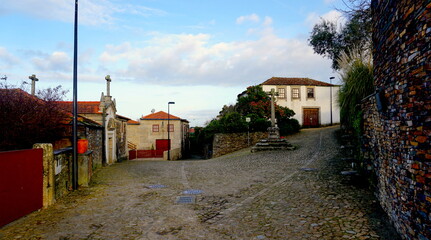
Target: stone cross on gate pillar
108, 85
33, 79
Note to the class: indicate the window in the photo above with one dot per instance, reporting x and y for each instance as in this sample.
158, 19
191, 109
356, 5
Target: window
281, 93
295, 93
155, 127
171, 127
310, 92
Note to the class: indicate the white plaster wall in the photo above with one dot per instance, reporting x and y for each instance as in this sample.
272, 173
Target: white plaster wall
320, 101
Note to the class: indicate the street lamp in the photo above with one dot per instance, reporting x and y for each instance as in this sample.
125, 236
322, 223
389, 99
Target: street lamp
169, 139
330, 97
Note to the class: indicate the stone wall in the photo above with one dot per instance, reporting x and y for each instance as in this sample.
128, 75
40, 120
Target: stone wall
94, 137
63, 177
397, 120
225, 143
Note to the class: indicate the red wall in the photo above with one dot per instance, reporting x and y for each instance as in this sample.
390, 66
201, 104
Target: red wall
21, 183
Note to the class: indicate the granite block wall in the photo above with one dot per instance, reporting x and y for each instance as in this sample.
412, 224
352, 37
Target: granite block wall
225, 143
397, 120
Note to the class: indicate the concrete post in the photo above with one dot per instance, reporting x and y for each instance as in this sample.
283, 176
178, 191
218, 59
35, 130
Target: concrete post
48, 173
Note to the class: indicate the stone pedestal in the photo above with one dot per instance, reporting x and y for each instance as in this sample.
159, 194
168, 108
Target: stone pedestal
273, 133
273, 142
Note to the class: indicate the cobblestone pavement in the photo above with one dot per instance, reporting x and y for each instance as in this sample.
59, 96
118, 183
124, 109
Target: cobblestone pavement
267, 195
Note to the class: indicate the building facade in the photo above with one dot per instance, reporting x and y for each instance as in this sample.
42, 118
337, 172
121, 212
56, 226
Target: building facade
314, 102
151, 133
104, 112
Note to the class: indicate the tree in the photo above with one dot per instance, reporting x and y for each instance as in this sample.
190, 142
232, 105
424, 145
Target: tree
358, 82
255, 104
330, 40
27, 119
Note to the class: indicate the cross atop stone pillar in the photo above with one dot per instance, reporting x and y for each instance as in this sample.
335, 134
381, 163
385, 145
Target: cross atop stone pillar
273, 131
108, 85
33, 79
272, 94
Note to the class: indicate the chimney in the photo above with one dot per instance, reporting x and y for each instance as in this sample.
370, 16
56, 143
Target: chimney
108, 85
33, 83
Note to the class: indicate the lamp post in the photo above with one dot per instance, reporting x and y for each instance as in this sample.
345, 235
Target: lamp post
75, 102
169, 139
330, 97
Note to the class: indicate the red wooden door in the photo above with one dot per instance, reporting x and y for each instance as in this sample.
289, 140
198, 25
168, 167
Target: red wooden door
311, 117
161, 146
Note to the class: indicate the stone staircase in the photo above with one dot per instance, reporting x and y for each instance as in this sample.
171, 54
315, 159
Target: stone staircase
271, 144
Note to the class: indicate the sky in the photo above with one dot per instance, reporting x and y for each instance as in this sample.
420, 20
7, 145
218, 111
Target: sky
198, 54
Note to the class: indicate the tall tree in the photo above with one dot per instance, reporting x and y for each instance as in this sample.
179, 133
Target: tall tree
330, 39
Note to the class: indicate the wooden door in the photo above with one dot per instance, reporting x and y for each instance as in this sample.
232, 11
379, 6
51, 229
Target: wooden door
311, 117
161, 146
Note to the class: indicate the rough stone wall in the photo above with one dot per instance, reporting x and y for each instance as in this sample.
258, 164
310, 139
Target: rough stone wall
121, 140
94, 137
225, 143
63, 180
397, 136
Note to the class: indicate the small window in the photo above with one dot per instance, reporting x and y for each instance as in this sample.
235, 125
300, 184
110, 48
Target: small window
171, 127
295, 93
281, 93
155, 127
310, 92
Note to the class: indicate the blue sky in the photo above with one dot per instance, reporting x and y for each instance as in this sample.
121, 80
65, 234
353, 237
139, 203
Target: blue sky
200, 54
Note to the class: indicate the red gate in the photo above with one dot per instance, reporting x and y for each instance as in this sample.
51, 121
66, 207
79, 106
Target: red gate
161, 146
21, 183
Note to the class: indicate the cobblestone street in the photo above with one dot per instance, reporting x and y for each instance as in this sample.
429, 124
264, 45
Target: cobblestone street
296, 194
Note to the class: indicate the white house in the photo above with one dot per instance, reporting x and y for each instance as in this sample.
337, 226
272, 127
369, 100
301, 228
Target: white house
310, 99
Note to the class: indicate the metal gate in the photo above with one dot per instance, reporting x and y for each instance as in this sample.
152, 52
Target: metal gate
311, 117
21, 183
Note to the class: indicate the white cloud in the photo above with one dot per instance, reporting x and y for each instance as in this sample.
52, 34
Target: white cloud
57, 61
249, 18
91, 12
7, 58
187, 59
267, 21
333, 16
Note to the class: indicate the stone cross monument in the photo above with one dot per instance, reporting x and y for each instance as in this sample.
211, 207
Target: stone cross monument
273, 131
273, 142
108, 85
33, 79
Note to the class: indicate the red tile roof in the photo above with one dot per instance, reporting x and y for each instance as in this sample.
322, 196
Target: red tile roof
295, 81
122, 117
132, 122
83, 106
160, 116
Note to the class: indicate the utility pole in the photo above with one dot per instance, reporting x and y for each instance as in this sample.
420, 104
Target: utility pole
169, 139
75, 103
